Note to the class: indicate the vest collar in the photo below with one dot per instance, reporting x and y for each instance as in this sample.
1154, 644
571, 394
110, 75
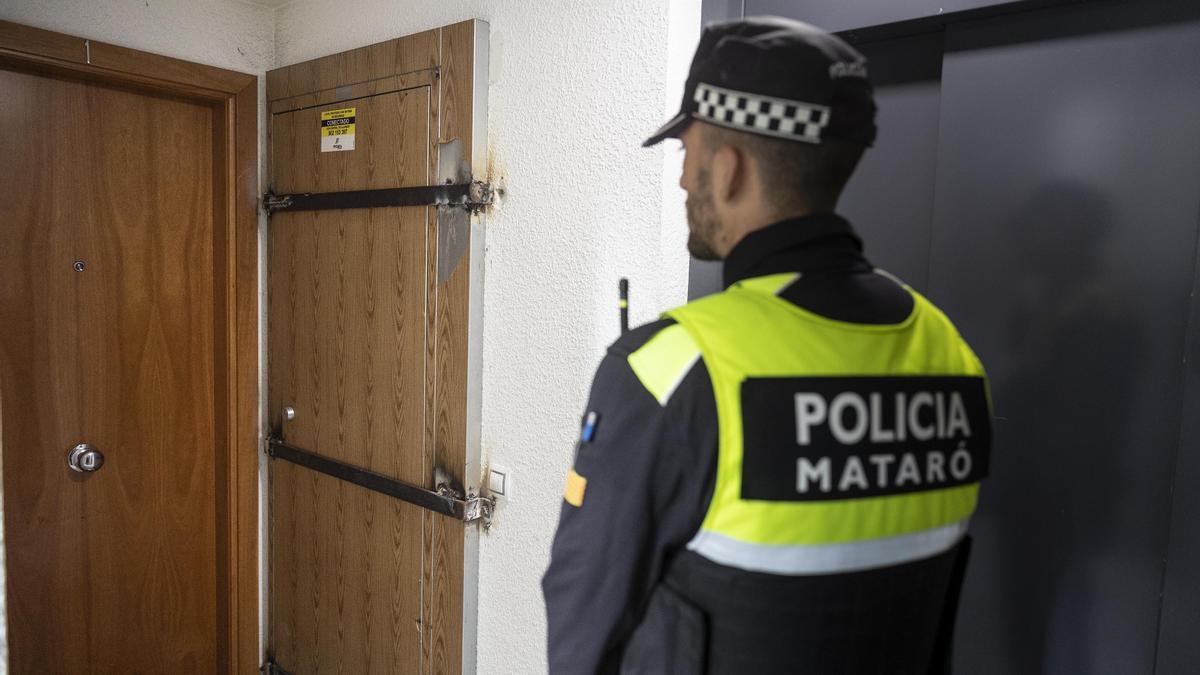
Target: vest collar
817, 242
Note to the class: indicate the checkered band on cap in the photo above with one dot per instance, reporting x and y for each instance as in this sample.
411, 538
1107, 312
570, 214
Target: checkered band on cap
761, 114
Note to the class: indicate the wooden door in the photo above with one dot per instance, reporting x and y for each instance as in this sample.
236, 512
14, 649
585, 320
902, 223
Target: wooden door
368, 345
107, 337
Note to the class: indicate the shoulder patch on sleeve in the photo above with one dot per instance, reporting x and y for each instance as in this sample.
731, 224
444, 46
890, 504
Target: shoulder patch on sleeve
576, 486
663, 362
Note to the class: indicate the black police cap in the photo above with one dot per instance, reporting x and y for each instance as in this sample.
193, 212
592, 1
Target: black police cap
780, 78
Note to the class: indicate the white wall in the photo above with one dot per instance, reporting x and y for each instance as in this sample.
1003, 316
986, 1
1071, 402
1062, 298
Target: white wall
576, 85
225, 33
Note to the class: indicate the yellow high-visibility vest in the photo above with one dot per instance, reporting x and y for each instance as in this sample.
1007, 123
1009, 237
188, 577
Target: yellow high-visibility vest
842, 446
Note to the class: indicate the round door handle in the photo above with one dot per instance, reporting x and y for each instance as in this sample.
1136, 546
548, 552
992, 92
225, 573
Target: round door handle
85, 458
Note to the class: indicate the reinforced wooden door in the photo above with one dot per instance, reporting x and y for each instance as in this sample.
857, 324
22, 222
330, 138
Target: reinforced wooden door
369, 324
117, 227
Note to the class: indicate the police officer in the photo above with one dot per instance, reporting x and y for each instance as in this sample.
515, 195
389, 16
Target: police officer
776, 478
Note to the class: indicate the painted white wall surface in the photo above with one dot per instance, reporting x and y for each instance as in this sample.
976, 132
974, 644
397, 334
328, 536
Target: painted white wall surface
575, 86
224, 33
683, 34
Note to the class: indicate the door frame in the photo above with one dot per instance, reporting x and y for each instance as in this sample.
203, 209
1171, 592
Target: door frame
234, 99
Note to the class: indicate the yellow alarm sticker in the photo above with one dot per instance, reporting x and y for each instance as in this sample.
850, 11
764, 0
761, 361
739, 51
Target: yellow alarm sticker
337, 130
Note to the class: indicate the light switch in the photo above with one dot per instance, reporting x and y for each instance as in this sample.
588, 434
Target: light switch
499, 481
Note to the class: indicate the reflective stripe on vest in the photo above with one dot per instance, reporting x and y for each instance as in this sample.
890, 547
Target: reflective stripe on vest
841, 446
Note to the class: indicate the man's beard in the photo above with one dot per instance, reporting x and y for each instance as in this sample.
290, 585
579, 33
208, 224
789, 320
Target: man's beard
702, 221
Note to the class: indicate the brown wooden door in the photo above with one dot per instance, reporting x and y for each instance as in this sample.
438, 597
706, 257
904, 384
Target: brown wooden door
107, 337
367, 343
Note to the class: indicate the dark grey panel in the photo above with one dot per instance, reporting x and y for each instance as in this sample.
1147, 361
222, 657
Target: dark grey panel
720, 10
704, 278
838, 15
890, 197
1178, 646
1064, 237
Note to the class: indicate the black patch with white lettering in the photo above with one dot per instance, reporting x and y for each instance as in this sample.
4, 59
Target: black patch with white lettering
830, 438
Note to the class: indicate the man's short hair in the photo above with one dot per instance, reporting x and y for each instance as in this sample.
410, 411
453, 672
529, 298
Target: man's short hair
795, 174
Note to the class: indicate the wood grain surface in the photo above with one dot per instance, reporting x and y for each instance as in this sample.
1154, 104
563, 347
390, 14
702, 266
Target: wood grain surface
241, 278
40, 42
370, 349
234, 169
383, 85
114, 571
382, 60
444, 546
347, 307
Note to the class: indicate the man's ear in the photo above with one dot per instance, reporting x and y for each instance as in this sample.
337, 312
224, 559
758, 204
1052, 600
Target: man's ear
728, 173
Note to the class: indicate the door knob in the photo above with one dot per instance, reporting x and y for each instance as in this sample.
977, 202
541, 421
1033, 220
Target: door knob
85, 458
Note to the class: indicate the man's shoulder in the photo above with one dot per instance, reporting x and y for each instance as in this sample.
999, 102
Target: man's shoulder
657, 333
660, 354
636, 338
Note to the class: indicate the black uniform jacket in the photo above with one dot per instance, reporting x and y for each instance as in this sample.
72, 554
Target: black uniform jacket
650, 467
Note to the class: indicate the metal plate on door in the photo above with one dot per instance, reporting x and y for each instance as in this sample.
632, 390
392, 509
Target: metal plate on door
85, 458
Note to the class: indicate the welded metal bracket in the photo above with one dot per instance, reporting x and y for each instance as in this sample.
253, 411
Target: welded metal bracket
447, 499
272, 202
480, 509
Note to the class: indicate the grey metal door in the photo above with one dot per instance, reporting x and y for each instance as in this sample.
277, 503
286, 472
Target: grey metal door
1038, 176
